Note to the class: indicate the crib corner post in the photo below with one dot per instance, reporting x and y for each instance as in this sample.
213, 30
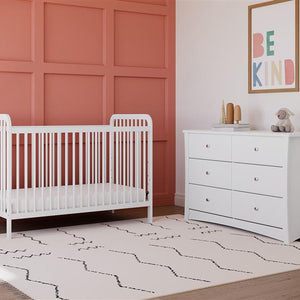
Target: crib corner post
8, 228
150, 214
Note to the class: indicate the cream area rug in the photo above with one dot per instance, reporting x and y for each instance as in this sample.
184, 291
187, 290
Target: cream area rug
135, 260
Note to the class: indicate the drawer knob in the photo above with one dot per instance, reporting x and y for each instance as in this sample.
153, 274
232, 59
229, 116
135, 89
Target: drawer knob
256, 179
256, 208
256, 149
207, 173
207, 146
207, 200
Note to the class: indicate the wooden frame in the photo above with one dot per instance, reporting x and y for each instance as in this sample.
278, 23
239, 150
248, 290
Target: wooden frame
266, 89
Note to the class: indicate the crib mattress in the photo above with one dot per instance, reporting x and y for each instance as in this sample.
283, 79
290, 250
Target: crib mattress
76, 196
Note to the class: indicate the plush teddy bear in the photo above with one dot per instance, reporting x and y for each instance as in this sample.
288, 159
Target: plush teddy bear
284, 123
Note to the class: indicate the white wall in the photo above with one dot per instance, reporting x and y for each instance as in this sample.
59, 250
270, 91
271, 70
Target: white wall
212, 64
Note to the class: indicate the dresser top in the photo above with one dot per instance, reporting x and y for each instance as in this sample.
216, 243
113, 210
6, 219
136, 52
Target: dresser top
245, 132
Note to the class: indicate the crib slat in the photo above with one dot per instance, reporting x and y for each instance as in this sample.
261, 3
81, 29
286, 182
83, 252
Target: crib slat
80, 167
39, 159
137, 164
33, 168
93, 166
117, 167
73, 167
99, 156
124, 165
46, 159
144, 164
42, 168
53, 159
131, 165
50, 170
18, 170
111, 164
58, 168
26, 170
127, 164
1, 163
66, 169
88, 164
4, 165
103, 166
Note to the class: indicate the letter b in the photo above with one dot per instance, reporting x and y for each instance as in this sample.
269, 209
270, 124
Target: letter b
258, 49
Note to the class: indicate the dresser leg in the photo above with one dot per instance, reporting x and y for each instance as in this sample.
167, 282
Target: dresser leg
8, 228
186, 215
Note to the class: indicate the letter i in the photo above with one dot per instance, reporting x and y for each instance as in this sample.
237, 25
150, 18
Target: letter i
266, 74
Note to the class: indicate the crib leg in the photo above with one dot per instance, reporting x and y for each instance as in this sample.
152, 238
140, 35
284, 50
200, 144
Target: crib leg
8, 228
150, 214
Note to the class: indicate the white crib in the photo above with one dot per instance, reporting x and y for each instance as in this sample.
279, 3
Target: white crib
56, 170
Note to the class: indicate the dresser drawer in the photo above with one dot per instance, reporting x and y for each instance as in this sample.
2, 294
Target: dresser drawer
210, 173
211, 200
258, 179
258, 150
216, 147
259, 209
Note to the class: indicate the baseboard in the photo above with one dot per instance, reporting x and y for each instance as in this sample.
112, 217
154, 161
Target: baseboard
179, 199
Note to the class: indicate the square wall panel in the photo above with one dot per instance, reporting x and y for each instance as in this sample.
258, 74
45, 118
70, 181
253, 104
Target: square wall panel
157, 2
139, 39
15, 30
73, 34
15, 97
159, 167
134, 95
73, 99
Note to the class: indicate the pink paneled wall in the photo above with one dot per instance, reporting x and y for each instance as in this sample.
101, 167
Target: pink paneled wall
80, 61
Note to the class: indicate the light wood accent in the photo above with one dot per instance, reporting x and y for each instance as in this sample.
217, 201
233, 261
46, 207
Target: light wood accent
229, 113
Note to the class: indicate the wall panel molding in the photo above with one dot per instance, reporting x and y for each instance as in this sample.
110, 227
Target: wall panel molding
80, 61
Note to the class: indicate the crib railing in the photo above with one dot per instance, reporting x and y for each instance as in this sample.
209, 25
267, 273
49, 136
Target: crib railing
5, 162
50, 170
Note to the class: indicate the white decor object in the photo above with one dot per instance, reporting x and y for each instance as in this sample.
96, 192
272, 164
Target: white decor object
231, 127
109, 167
248, 180
223, 114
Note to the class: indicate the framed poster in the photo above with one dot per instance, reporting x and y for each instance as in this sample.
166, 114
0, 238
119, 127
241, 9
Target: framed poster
273, 47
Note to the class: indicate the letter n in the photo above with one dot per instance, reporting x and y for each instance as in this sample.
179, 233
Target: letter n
276, 72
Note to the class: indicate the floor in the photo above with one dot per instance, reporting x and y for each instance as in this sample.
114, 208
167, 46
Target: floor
278, 286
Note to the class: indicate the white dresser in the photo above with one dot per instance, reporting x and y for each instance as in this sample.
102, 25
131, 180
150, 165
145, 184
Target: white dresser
249, 180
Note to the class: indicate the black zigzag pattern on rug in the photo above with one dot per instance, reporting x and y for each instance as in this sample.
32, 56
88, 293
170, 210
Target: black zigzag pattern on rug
11, 252
33, 239
27, 277
90, 248
166, 237
154, 225
207, 231
130, 232
106, 274
249, 252
265, 242
202, 258
83, 240
198, 226
158, 265
32, 255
